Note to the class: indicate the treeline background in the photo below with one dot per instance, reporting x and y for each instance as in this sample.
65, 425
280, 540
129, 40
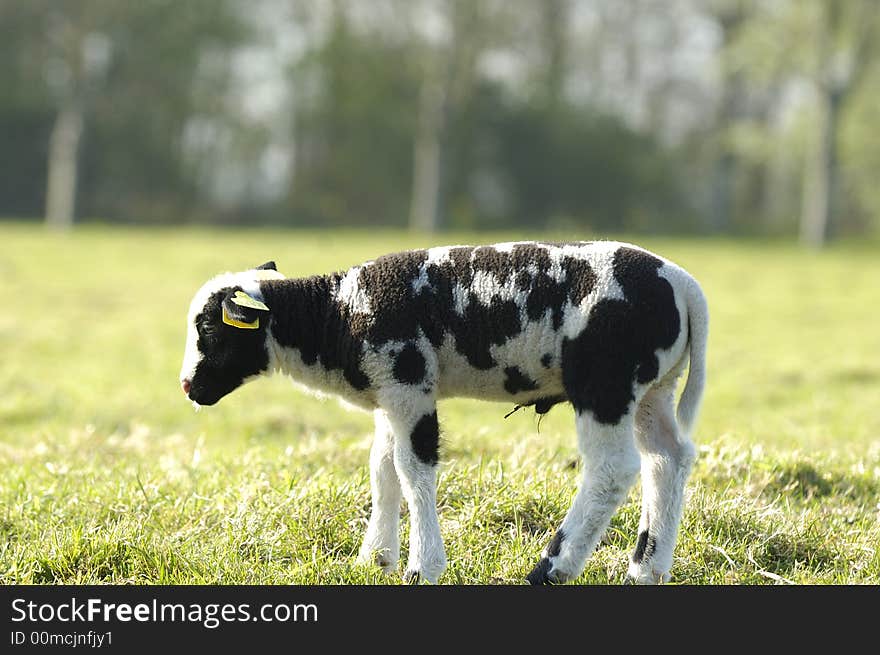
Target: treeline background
705, 116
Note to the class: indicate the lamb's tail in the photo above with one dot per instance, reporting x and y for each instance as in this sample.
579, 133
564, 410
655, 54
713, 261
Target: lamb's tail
698, 334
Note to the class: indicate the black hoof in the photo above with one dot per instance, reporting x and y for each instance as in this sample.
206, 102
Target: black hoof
412, 577
540, 575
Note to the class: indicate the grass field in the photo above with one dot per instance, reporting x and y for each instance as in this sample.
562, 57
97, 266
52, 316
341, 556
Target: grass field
107, 475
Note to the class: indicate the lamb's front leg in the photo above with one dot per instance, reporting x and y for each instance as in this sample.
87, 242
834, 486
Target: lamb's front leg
416, 446
382, 541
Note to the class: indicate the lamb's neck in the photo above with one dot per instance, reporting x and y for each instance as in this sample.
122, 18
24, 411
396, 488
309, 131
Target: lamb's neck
310, 338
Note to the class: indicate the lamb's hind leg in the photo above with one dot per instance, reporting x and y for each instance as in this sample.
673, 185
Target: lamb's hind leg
667, 456
382, 541
611, 463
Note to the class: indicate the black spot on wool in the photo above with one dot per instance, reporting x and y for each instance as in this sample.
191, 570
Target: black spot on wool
515, 381
457, 268
480, 326
618, 346
644, 547
546, 360
483, 326
639, 553
425, 439
409, 365
579, 278
397, 312
556, 543
490, 260
545, 293
307, 319
229, 354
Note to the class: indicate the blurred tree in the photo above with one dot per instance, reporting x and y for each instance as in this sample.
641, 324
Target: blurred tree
749, 146
829, 44
555, 17
585, 167
485, 148
860, 153
168, 84
355, 99
845, 50
448, 63
25, 109
78, 58
730, 16
735, 115
114, 87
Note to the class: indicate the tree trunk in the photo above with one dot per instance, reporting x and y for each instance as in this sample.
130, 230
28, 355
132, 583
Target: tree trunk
555, 19
447, 81
62, 166
821, 179
722, 192
426, 206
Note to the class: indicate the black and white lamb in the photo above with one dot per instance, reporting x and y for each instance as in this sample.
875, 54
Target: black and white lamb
608, 327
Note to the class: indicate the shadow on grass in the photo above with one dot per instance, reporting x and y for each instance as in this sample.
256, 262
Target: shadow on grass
737, 541
792, 477
805, 481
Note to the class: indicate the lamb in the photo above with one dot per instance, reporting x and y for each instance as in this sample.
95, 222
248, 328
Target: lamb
605, 326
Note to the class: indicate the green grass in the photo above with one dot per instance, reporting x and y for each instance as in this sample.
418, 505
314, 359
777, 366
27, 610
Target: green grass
107, 474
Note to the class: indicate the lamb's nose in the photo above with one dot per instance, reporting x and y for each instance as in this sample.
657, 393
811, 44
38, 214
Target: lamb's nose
186, 384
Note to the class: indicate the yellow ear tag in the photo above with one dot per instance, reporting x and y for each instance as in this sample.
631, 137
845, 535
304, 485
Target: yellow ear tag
240, 324
243, 300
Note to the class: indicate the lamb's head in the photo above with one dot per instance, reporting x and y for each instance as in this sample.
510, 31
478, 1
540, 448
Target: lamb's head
226, 335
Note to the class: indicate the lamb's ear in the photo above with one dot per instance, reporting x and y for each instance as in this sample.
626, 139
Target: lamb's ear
242, 311
268, 266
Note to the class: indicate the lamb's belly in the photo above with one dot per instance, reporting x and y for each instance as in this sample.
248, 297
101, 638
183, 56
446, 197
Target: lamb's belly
521, 376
